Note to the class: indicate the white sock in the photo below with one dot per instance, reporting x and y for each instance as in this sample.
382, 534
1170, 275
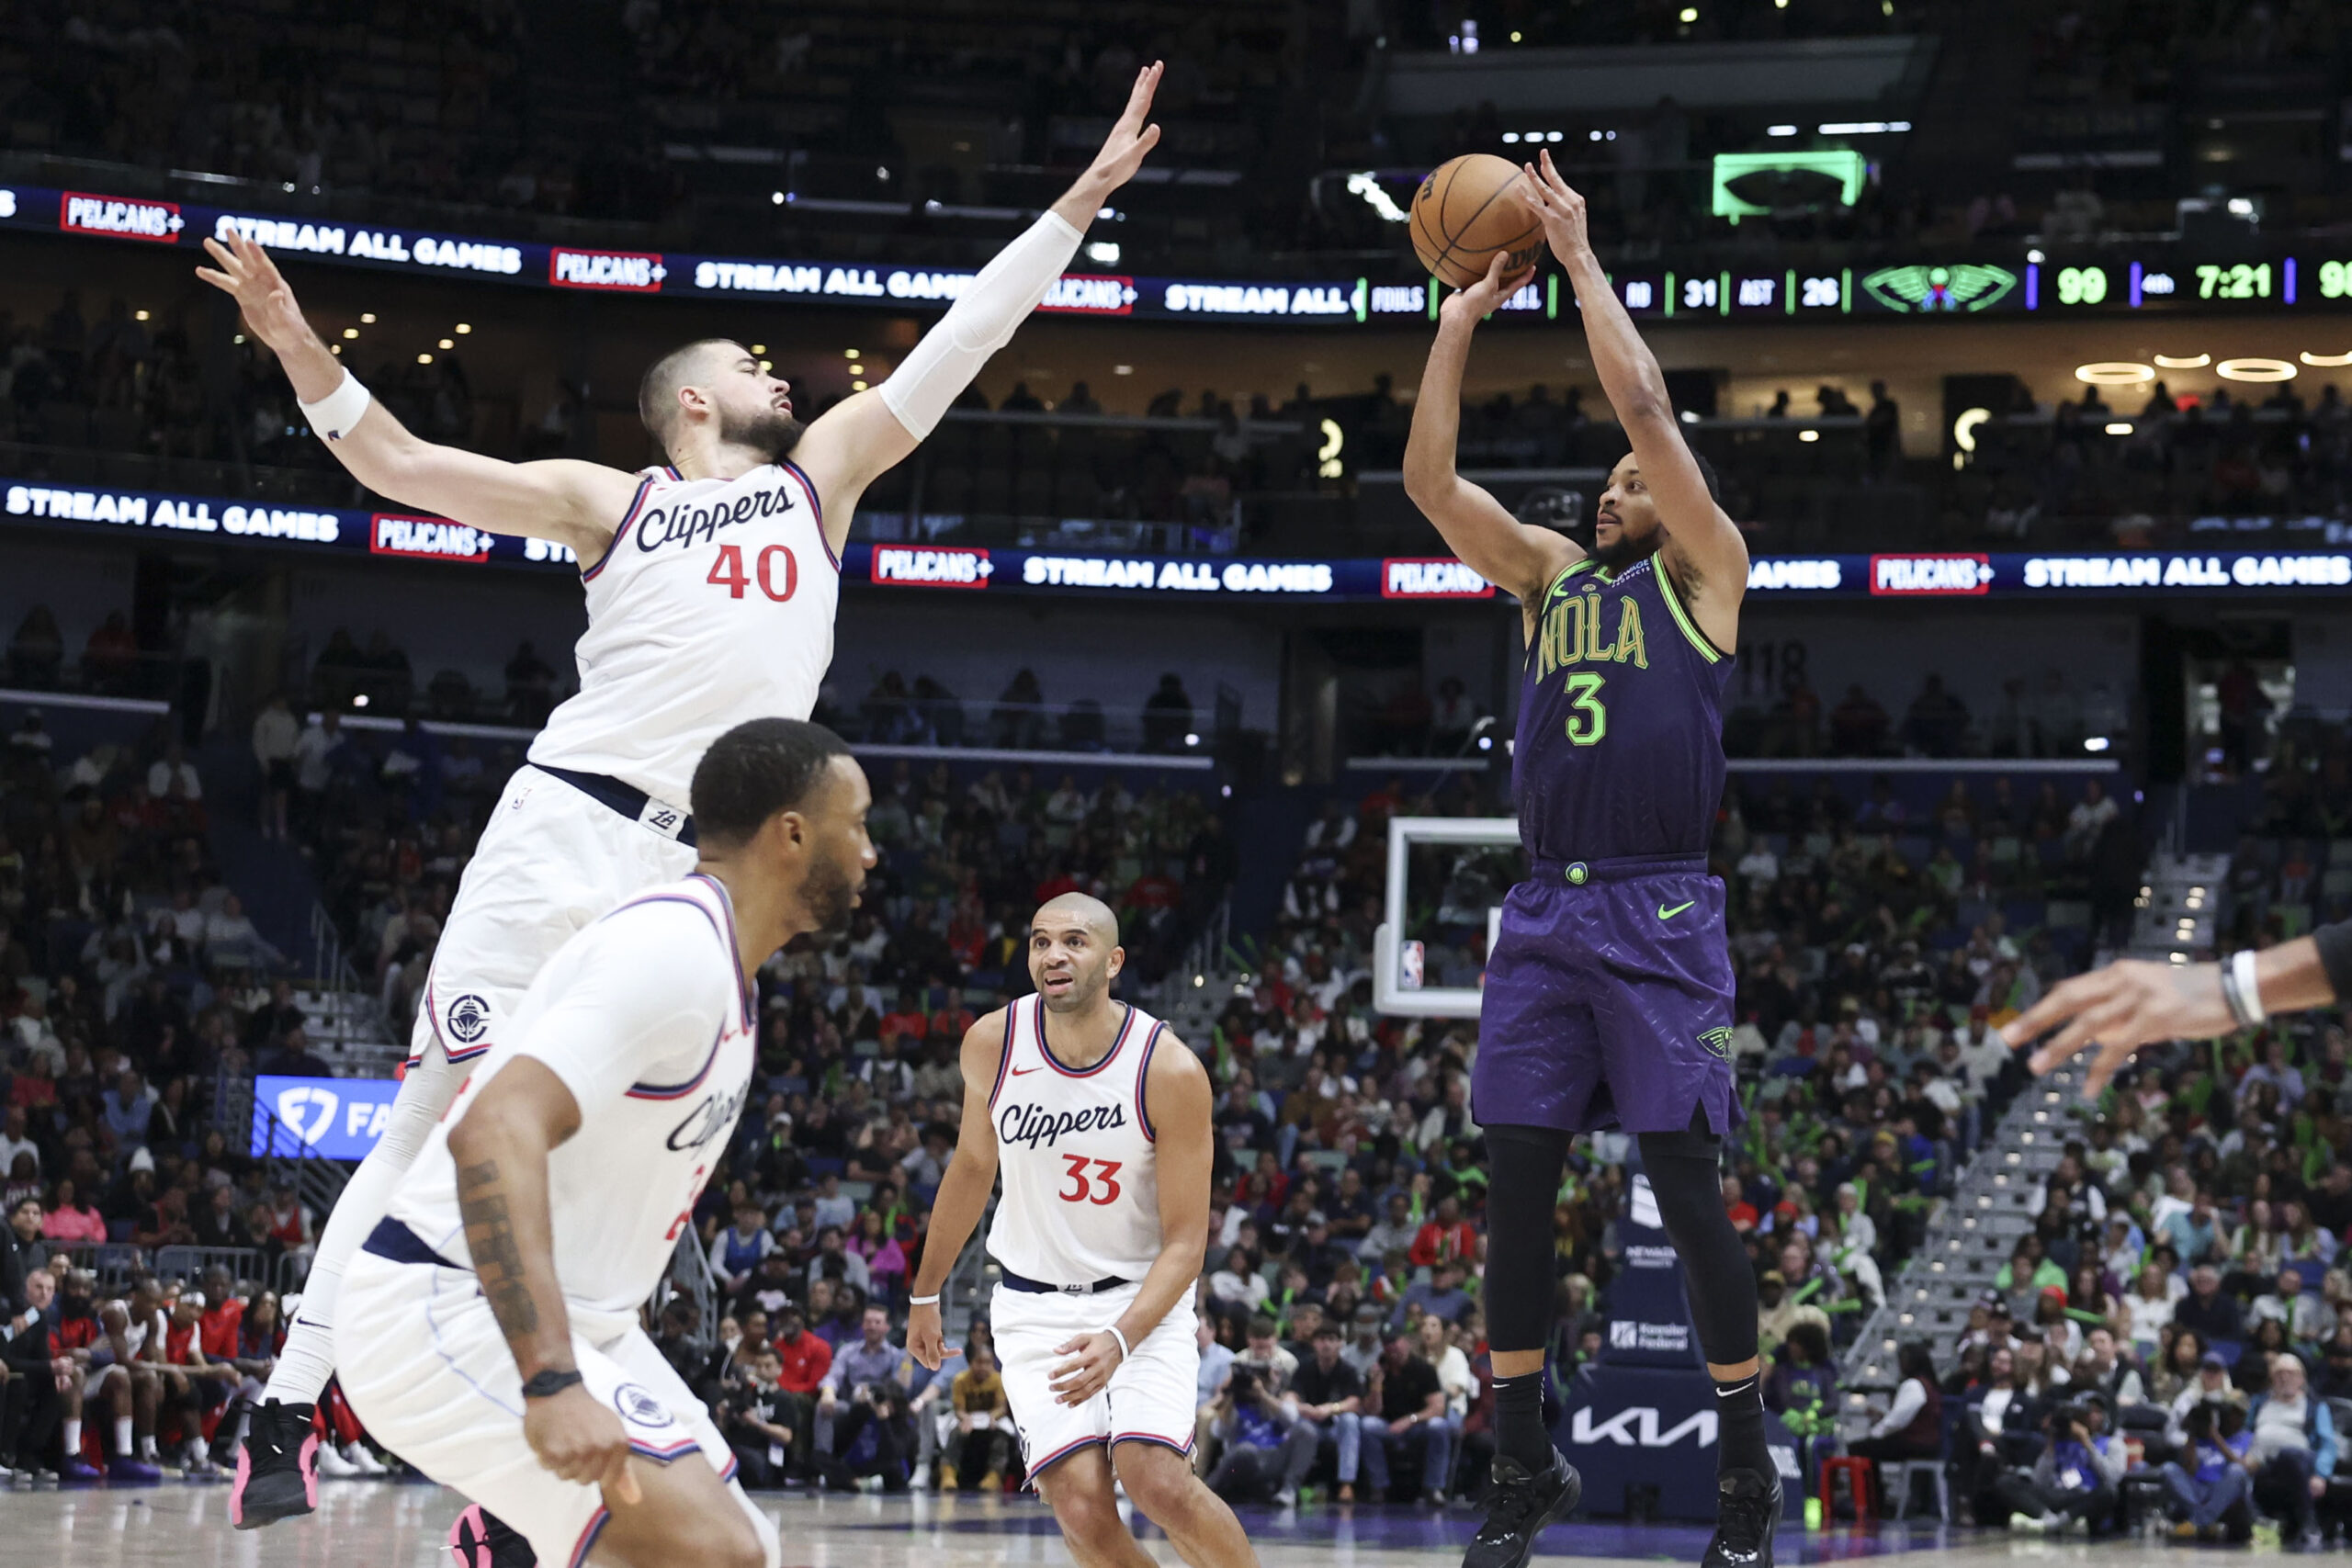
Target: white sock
122, 1436
73, 1439
147, 1447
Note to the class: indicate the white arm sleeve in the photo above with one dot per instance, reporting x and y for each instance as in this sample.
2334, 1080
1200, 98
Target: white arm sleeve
982, 321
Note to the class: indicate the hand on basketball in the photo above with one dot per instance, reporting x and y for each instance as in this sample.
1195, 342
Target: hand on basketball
263, 295
1094, 1357
925, 1341
579, 1439
2120, 1008
1471, 304
1130, 139
1561, 208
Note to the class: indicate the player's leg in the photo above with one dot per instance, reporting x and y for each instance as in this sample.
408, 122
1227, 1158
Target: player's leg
1664, 1011
1078, 1487
1199, 1525
684, 1515
1539, 1066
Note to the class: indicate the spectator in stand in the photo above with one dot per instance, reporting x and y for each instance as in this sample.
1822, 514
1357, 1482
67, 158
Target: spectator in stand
277, 735
1168, 715
758, 1425
737, 1253
1409, 1406
983, 1432
1447, 1237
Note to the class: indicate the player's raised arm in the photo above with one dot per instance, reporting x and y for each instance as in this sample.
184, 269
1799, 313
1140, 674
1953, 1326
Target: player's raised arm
1177, 1099
964, 1189
571, 502
1703, 549
501, 1147
851, 443
1515, 557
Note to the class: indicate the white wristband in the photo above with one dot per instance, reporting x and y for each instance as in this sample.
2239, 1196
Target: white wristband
2249, 990
1125, 1354
923, 1301
333, 416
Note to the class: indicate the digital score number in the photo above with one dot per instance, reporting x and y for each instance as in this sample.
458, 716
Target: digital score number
2336, 280
2082, 284
2242, 281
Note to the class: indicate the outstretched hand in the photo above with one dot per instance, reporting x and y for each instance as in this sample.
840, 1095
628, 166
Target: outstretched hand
2116, 1009
1123, 151
1472, 304
246, 274
1561, 208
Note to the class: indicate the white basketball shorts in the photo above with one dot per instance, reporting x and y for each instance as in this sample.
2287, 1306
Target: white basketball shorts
550, 862
1150, 1397
427, 1370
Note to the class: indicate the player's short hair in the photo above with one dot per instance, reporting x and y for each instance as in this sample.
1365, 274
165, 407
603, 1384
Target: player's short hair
657, 390
755, 769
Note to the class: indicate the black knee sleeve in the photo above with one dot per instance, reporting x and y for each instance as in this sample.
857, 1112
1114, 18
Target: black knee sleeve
1524, 1182
1685, 1172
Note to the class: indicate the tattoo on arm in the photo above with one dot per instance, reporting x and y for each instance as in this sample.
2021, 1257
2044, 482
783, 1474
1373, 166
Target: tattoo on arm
498, 1262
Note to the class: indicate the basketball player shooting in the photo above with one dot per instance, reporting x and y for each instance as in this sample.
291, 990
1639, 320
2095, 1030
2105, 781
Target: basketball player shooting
1609, 992
492, 1314
1099, 1121
712, 583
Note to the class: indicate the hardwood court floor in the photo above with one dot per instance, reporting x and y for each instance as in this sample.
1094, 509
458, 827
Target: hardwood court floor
391, 1525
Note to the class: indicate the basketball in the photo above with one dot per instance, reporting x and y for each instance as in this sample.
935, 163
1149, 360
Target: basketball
1468, 208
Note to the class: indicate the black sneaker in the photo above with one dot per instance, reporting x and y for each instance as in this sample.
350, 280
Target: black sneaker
1518, 1508
278, 1467
482, 1539
1748, 1509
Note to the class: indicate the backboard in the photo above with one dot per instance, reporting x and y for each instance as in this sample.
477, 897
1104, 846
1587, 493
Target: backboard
1447, 877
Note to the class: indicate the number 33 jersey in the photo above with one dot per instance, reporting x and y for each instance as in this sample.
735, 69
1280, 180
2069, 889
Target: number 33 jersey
1075, 1146
646, 1018
714, 604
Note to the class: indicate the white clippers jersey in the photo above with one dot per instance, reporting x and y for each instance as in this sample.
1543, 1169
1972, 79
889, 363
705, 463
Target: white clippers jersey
714, 604
1081, 1178
646, 1018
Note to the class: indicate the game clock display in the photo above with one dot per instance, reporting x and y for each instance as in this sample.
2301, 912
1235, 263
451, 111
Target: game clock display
2201, 285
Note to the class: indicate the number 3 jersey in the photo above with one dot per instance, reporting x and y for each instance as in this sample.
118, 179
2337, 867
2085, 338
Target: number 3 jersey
1075, 1147
646, 1018
1619, 748
714, 604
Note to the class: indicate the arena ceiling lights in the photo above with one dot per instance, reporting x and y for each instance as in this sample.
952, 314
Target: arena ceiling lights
2324, 361
2183, 361
2115, 373
2255, 369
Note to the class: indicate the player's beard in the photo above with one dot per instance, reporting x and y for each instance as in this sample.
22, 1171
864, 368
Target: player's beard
1085, 990
829, 893
1627, 548
770, 430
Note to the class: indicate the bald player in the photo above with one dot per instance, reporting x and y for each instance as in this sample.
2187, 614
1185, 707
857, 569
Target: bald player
1098, 1121
711, 581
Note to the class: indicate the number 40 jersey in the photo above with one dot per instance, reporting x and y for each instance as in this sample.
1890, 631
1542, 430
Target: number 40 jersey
714, 604
1075, 1146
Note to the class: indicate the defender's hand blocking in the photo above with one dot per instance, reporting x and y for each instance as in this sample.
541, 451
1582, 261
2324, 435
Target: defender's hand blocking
1096, 1356
2120, 1008
264, 297
578, 1439
926, 1342
1472, 304
1130, 139
1562, 210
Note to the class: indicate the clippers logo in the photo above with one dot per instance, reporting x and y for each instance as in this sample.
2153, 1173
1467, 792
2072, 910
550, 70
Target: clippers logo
1941, 577
629, 271
307, 1111
1434, 579
468, 1018
426, 538
910, 566
120, 218
638, 1406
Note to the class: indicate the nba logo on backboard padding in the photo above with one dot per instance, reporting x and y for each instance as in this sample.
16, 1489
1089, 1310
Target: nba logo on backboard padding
1408, 966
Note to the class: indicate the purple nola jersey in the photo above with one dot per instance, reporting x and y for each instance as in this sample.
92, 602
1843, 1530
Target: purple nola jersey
1621, 737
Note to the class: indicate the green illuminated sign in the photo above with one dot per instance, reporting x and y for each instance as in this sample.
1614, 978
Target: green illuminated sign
1843, 165
1964, 286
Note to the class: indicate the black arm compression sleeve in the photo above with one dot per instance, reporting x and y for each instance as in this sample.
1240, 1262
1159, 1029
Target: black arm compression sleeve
1523, 1276
1685, 1172
2334, 943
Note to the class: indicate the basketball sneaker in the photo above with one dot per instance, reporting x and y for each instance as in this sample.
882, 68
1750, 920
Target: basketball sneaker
277, 1466
482, 1539
1519, 1506
1748, 1509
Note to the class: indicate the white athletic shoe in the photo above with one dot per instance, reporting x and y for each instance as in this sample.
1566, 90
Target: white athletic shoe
920, 1480
355, 1455
332, 1465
